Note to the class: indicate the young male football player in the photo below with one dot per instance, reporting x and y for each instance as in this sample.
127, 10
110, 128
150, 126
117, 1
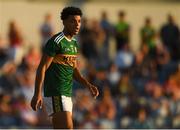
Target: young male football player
57, 69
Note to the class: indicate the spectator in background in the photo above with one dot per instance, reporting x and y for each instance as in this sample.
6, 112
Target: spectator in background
165, 66
15, 35
99, 38
3, 51
16, 42
176, 122
106, 110
142, 121
28, 117
125, 87
46, 29
7, 119
32, 58
114, 75
84, 115
9, 80
147, 34
170, 36
124, 58
140, 71
108, 30
88, 46
101, 79
122, 31
173, 87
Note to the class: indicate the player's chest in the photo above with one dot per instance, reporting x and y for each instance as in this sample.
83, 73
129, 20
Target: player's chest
68, 49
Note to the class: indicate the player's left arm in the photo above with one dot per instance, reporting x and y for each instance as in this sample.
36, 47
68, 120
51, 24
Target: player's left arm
78, 77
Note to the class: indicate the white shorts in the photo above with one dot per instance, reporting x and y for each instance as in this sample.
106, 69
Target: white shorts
57, 104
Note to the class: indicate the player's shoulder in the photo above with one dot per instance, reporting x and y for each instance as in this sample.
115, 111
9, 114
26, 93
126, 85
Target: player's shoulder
74, 40
58, 37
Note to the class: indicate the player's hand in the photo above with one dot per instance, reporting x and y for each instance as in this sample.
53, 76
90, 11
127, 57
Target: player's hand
36, 102
94, 91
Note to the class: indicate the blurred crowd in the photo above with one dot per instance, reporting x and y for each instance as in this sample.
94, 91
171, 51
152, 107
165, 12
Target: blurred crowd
138, 89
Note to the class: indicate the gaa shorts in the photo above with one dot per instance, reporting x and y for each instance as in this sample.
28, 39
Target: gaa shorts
57, 104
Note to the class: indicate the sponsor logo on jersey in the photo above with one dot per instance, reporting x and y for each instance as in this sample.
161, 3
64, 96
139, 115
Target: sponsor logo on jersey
69, 60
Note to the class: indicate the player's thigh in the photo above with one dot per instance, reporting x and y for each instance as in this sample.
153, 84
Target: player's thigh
60, 108
56, 104
62, 120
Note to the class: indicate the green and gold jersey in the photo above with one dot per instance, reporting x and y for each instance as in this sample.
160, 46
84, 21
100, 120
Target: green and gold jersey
59, 76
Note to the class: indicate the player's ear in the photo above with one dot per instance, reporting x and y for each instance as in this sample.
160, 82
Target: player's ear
65, 21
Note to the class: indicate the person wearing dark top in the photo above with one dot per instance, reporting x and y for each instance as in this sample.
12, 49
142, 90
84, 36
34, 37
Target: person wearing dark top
170, 36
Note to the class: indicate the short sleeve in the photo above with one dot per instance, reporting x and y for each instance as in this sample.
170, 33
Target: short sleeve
50, 48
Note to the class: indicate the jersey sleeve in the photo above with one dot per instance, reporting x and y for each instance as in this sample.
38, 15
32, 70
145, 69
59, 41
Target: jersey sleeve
50, 48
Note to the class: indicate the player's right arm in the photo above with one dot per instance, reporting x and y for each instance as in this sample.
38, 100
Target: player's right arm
45, 62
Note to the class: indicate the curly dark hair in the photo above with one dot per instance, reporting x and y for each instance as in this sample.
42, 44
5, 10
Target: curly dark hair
70, 11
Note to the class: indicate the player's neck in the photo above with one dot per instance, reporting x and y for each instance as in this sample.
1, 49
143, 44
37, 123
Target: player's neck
67, 34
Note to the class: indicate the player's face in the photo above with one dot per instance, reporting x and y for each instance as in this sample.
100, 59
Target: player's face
72, 24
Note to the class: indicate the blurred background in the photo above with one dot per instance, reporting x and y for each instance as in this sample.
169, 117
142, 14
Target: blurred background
129, 49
